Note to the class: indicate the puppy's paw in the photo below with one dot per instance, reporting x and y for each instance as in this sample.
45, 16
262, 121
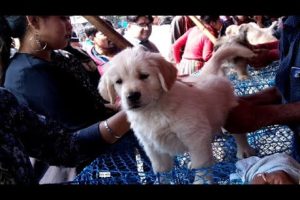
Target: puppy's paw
189, 165
243, 77
245, 152
202, 181
164, 178
203, 176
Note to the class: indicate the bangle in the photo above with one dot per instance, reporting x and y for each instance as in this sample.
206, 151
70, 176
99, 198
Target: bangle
110, 130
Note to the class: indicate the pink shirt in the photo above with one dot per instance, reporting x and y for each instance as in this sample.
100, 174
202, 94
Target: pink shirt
196, 45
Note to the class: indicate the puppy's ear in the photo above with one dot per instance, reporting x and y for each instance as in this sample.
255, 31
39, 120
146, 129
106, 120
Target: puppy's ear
106, 89
167, 74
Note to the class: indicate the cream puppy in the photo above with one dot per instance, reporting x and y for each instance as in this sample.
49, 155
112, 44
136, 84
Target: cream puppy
235, 64
254, 34
246, 34
170, 117
257, 35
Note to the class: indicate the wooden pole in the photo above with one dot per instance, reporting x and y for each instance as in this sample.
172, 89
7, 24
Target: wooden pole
107, 30
200, 25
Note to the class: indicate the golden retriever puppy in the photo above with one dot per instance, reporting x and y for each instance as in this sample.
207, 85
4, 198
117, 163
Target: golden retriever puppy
170, 117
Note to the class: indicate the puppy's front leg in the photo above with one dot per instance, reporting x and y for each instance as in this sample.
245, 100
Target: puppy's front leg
244, 150
241, 69
161, 162
202, 158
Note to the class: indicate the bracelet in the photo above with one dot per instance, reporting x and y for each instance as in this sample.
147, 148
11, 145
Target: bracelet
110, 130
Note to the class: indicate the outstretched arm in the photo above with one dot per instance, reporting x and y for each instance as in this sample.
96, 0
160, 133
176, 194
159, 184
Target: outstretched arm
265, 54
247, 117
116, 126
260, 110
49, 141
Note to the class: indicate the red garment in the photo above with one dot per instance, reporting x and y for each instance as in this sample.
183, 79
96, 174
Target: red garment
264, 59
273, 47
196, 45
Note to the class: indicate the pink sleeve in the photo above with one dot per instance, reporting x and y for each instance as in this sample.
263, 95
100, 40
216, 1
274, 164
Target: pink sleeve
208, 48
178, 44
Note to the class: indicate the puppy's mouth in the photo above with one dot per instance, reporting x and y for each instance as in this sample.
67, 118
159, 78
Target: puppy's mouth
134, 106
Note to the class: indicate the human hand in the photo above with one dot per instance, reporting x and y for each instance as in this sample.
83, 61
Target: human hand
242, 118
116, 106
261, 58
275, 177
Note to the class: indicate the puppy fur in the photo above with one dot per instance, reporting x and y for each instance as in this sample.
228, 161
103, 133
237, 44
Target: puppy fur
254, 34
246, 34
170, 117
236, 64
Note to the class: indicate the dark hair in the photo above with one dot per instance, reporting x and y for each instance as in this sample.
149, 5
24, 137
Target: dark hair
210, 18
134, 18
91, 31
5, 41
108, 22
18, 26
10, 26
165, 20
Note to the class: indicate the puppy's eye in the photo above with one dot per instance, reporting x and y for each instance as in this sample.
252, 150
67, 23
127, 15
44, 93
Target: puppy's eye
119, 81
144, 76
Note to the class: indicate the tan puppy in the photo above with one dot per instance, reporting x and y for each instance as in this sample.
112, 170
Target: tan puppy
235, 64
247, 35
171, 117
254, 34
257, 35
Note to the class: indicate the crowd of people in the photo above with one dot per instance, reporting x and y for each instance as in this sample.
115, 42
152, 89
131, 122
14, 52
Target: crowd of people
50, 108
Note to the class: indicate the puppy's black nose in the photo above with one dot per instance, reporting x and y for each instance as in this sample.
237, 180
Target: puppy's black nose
133, 96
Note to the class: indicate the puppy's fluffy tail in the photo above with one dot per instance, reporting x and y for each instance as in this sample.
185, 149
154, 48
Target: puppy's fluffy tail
225, 52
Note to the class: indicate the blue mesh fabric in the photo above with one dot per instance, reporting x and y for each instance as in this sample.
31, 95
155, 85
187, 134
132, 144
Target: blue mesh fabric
126, 162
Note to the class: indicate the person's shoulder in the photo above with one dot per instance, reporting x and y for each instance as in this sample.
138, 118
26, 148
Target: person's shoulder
21, 61
18, 63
